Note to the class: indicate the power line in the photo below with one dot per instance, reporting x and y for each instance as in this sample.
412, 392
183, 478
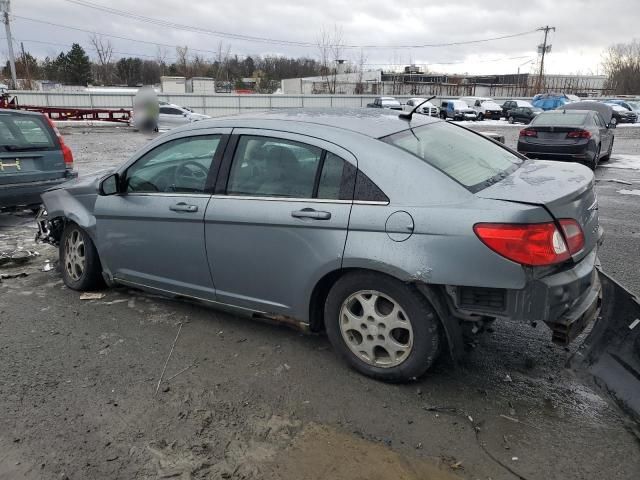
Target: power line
250, 38
93, 32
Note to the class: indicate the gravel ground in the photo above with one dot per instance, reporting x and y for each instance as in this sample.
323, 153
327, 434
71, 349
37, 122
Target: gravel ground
243, 399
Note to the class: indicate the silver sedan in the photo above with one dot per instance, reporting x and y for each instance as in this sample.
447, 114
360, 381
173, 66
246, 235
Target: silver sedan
398, 237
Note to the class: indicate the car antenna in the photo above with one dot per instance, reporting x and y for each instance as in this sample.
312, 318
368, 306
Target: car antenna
407, 116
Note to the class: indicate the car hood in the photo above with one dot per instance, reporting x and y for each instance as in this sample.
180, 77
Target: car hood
84, 184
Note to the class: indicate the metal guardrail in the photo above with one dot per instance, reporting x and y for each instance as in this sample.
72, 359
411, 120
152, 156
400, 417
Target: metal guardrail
214, 105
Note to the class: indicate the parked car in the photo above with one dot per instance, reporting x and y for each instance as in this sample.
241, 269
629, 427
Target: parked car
572, 133
394, 263
385, 102
427, 108
511, 104
631, 105
457, 110
550, 101
621, 114
171, 116
413, 232
33, 158
523, 114
484, 107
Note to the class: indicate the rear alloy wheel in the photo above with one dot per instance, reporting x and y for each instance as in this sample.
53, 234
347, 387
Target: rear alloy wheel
81, 268
382, 327
511, 119
608, 155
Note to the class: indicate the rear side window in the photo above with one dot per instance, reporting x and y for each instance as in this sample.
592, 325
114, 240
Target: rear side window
466, 157
559, 119
25, 132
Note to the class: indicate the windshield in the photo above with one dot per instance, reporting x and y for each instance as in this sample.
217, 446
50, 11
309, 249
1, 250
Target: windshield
470, 159
22, 132
634, 105
558, 119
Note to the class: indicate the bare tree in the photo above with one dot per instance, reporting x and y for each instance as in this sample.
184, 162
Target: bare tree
360, 65
104, 50
182, 60
330, 49
221, 62
161, 58
621, 63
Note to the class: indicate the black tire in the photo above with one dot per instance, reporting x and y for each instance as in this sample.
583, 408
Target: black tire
593, 163
511, 119
480, 117
608, 155
443, 115
424, 346
76, 247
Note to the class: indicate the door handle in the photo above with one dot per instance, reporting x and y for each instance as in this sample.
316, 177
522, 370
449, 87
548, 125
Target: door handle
311, 213
183, 207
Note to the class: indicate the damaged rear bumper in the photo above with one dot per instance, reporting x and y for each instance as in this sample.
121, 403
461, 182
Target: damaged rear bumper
567, 301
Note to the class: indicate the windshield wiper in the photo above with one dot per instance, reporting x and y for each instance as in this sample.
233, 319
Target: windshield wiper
22, 148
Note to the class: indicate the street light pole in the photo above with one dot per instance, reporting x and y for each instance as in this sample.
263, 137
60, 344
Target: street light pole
4, 8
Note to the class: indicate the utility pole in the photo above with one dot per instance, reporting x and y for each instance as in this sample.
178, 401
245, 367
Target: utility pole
4, 8
543, 49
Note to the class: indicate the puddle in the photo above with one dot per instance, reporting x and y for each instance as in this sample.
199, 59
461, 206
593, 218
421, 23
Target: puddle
321, 452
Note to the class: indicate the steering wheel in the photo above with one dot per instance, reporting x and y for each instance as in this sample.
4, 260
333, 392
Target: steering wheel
190, 172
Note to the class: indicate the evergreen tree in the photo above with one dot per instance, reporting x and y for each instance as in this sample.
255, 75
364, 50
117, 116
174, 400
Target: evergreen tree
78, 66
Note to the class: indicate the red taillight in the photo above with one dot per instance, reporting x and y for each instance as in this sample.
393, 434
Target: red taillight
533, 244
68, 156
579, 134
66, 151
528, 132
573, 235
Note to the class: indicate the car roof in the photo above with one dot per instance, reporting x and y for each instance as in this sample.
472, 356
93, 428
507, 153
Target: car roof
20, 112
374, 123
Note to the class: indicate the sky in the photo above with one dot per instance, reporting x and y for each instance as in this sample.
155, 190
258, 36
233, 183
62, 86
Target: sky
379, 30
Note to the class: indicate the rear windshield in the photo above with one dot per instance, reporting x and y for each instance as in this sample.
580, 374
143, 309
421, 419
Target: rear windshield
19, 132
467, 157
559, 119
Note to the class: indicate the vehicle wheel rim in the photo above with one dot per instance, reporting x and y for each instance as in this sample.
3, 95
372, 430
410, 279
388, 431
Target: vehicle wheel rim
376, 328
510, 119
74, 258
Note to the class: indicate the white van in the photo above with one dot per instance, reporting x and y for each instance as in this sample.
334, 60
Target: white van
485, 107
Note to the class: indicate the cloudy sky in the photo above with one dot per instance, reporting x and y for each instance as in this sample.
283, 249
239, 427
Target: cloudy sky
385, 27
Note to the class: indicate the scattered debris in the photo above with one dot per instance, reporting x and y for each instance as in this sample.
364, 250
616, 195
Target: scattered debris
507, 378
92, 296
515, 459
16, 257
48, 266
6, 276
616, 180
168, 357
629, 192
181, 371
634, 324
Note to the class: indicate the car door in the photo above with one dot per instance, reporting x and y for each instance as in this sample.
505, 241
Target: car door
278, 220
152, 234
171, 117
606, 135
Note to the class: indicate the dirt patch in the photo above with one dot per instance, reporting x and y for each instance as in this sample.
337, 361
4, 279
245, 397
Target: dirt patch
321, 452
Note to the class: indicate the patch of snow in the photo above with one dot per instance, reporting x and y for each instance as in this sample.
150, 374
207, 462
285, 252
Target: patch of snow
87, 123
629, 192
489, 122
630, 162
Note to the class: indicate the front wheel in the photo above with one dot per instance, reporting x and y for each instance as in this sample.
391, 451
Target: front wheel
480, 117
511, 119
79, 262
382, 327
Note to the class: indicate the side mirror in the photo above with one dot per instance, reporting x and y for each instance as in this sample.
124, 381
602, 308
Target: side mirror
110, 185
184, 114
